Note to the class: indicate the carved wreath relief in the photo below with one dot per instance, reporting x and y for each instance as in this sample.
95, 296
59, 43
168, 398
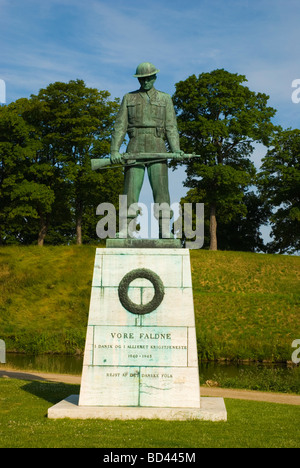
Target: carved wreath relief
141, 309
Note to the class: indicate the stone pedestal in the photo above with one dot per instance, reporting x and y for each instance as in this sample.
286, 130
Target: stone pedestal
140, 356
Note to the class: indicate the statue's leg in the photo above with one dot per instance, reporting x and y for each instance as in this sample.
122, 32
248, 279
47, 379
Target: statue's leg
133, 181
158, 177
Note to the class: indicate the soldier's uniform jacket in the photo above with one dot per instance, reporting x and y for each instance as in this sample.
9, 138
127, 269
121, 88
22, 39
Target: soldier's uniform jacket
149, 119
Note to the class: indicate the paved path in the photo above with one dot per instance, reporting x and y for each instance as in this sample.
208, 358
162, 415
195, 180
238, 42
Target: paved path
205, 391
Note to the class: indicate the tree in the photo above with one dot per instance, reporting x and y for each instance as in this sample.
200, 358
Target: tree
75, 124
236, 231
47, 186
25, 201
279, 182
219, 118
243, 233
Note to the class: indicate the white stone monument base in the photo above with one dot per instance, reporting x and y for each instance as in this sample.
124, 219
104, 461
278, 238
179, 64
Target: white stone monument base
211, 409
140, 358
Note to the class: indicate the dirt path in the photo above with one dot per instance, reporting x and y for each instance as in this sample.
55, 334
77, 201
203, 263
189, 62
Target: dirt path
283, 398
205, 391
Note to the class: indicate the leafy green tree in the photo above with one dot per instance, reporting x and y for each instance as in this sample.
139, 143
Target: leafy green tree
279, 182
47, 186
25, 201
236, 231
219, 118
75, 124
243, 233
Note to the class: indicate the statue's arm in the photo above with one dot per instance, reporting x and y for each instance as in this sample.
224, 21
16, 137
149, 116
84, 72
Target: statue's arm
171, 127
119, 132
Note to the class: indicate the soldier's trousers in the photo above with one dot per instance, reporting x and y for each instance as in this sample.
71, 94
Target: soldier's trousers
158, 178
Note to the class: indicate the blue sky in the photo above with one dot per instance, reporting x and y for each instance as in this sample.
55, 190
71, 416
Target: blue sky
103, 41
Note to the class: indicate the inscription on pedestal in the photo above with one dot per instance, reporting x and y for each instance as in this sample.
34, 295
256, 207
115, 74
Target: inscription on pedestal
139, 346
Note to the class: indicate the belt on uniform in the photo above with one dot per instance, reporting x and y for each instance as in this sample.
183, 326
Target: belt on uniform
147, 131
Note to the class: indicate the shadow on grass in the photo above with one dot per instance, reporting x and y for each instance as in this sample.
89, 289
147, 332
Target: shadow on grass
50, 391
53, 392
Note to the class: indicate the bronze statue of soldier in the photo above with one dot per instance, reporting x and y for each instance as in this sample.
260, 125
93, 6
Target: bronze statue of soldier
148, 117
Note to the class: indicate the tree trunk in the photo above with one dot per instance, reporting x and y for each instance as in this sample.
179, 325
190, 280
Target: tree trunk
213, 228
78, 232
78, 224
42, 232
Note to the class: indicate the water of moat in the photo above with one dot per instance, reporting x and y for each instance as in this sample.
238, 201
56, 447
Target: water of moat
63, 364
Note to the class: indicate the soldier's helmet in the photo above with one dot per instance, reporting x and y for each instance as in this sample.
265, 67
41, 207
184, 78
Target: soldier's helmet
145, 69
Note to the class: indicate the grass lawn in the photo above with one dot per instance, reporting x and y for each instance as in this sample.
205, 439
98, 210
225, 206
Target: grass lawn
23, 423
246, 305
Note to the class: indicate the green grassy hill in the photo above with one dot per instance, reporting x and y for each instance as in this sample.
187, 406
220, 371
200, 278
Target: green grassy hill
246, 305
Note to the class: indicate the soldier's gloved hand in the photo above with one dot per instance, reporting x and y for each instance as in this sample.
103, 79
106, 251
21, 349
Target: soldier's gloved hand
116, 158
178, 155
